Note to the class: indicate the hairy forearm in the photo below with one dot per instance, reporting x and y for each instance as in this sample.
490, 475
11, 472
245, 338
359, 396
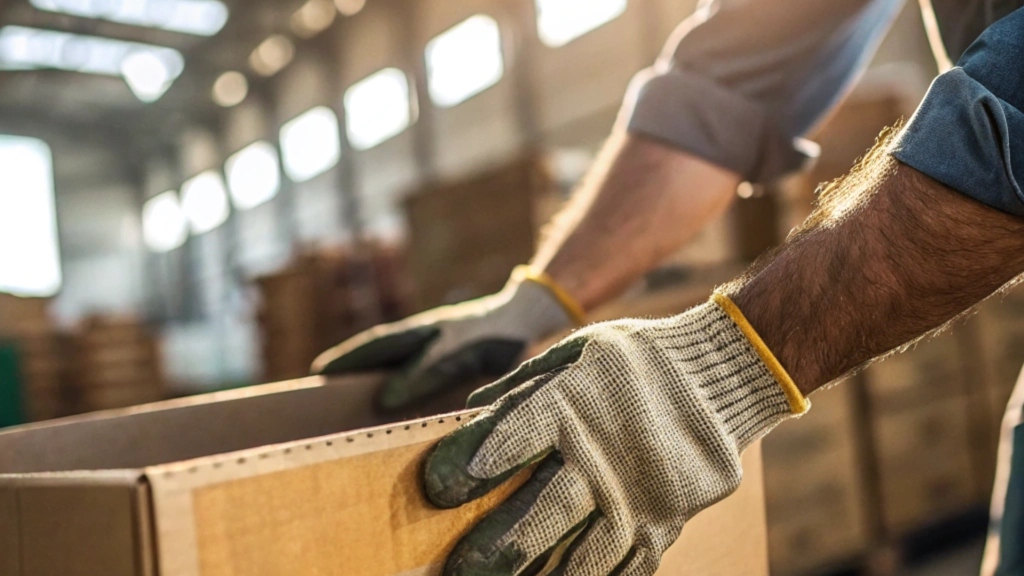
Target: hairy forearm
889, 255
641, 202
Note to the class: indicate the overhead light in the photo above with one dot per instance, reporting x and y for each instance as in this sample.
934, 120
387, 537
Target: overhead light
313, 17
377, 108
349, 7
29, 253
562, 21
272, 55
254, 175
149, 70
310, 144
464, 60
230, 89
147, 75
205, 202
164, 226
199, 17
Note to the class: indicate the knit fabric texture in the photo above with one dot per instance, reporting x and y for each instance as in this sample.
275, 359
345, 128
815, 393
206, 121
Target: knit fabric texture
522, 312
444, 348
650, 421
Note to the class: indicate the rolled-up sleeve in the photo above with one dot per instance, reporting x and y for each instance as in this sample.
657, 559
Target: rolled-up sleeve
741, 82
968, 132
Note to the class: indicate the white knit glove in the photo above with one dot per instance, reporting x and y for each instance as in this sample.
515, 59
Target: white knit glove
455, 345
637, 425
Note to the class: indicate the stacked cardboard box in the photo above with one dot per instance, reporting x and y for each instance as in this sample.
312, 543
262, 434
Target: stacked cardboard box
321, 299
998, 358
115, 364
814, 486
924, 448
41, 357
466, 236
43, 364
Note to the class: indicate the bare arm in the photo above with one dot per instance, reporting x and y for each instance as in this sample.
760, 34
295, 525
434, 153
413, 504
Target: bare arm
889, 255
641, 202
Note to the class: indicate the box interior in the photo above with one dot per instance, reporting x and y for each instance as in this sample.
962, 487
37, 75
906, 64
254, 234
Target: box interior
191, 428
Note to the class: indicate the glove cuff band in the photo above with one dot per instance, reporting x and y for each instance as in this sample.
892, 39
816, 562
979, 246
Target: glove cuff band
567, 301
798, 404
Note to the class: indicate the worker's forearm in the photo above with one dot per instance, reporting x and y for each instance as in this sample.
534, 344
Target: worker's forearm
889, 255
641, 202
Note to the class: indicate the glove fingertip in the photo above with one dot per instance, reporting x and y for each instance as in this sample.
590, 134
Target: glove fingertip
447, 482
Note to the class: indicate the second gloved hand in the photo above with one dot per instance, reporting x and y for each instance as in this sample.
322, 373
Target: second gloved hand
635, 426
454, 345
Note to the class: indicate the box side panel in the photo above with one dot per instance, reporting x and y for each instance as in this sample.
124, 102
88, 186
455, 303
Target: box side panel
359, 516
78, 530
352, 504
10, 542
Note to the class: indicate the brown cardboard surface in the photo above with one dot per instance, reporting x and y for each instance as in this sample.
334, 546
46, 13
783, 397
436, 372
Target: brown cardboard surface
363, 515
10, 530
727, 539
77, 528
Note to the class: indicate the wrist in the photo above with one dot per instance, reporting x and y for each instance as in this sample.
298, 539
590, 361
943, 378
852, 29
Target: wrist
526, 274
739, 380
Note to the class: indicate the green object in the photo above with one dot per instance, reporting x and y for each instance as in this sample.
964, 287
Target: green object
10, 386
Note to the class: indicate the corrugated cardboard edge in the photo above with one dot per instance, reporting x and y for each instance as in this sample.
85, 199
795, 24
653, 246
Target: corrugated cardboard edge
172, 485
24, 497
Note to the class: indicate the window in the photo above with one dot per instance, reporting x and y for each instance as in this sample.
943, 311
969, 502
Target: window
164, 226
310, 144
254, 175
464, 61
205, 202
377, 108
29, 253
562, 21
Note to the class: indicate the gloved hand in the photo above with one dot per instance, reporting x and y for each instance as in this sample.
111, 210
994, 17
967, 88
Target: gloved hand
637, 425
454, 345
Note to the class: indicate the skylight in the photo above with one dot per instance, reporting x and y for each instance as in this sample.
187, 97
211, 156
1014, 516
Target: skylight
147, 69
199, 17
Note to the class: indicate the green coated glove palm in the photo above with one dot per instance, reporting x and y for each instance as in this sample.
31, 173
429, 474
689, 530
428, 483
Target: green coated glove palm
449, 346
634, 426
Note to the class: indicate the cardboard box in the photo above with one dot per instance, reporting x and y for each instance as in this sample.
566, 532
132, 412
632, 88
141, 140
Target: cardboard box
931, 371
815, 488
925, 464
466, 236
265, 481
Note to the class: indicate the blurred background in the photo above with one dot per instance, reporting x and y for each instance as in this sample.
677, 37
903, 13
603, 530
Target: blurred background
201, 194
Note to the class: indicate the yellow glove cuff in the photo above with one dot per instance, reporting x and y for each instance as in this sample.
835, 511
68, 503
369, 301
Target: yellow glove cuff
797, 402
569, 304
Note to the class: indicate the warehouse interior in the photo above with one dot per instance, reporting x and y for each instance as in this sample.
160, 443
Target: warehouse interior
203, 195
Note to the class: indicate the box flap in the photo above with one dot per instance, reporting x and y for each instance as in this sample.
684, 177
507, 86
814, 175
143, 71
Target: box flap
191, 427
